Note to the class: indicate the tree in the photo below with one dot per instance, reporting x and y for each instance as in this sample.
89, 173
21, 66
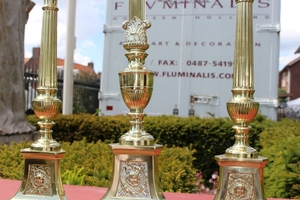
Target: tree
84, 97
13, 17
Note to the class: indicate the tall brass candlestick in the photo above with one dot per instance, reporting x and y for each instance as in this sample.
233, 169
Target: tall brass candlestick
241, 168
242, 108
136, 155
42, 175
46, 105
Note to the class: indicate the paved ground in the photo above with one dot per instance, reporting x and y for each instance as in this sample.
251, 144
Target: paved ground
8, 188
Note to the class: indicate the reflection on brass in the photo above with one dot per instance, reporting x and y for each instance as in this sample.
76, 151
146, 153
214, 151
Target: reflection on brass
135, 173
241, 179
46, 105
136, 154
240, 186
242, 108
39, 180
241, 168
133, 181
136, 81
42, 176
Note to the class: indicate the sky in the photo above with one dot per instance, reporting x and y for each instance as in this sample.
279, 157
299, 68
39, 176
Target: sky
90, 18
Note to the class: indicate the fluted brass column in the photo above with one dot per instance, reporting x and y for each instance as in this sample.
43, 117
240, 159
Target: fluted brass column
42, 175
241, 168
136, 155
46, 105
242, 108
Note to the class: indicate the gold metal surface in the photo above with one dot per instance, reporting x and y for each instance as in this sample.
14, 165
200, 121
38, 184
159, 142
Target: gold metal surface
241, 178
242, 108
136, 81
133, 180
39, 180
135, 173
42, 175
241, 169
46, 105
136, 155
137, 9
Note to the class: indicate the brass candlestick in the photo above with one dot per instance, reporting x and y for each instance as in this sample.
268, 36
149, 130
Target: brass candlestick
136, 155
241, 168
42, 175
136, 81
242, 108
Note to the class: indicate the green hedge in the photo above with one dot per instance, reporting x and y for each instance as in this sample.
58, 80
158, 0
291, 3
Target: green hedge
208, 136
203, 138
280, 144
91, 164
11, 161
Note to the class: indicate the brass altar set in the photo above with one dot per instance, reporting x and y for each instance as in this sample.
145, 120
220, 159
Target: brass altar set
136, 154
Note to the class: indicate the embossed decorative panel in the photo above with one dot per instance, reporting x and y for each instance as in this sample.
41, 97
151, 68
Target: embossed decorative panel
240, 187
133, 180
39, 180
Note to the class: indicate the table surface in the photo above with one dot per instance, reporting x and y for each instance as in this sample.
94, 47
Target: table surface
8, 188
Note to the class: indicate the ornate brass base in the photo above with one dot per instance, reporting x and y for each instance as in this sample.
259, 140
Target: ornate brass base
42, 176
241, 178
135, 173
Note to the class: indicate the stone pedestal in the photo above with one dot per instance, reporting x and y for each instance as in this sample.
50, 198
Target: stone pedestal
42, 176
135, 173
241, 178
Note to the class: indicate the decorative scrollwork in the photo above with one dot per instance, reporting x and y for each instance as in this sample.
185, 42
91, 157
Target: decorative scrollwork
240, 187
39, 180
136, 37
133, 180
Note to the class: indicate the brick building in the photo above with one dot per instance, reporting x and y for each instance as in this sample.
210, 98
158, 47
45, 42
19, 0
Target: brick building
289, 79
32, 65
85, 88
